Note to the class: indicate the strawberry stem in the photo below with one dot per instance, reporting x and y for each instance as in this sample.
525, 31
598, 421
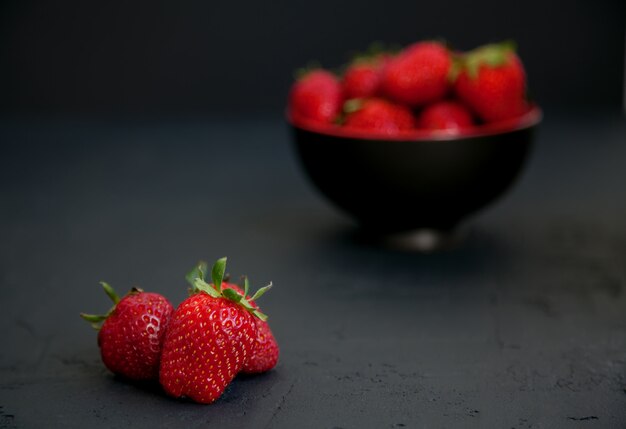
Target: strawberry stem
196, 278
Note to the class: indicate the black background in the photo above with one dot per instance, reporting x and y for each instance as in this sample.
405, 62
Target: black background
166, 57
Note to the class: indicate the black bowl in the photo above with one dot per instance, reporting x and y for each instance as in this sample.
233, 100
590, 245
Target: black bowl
419, 180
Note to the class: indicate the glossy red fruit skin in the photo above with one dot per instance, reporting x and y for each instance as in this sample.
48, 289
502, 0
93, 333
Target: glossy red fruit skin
418, 75
131, 338
317, 96
382, 117
266, 351
446, 116
206, 346
497, 92
363, 78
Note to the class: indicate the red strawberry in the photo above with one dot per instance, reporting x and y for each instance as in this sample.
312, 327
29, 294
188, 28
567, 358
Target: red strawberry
131, 334
265, 355
445, 115
378, 115
210, 338
363, 77
317, 96
418, 75
492, 82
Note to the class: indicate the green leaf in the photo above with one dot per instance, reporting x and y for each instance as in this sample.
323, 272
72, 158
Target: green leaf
260, 315
196, 273
231, 294
455, 69
259, 293
202, 286
246, 304
217, 273
110, 292
353, 105
494, 57
254, 311
246, 286
472, 64
93, 318
491, 55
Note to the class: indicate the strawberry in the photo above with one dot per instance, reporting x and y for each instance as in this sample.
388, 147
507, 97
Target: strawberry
317, 96
450, 116
418, 75
131, 334
210, 338
363, 76
378, 115
492, 82
265, 354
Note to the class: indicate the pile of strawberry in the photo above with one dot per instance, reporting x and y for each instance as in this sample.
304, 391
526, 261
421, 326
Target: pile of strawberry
425, 86
194, 351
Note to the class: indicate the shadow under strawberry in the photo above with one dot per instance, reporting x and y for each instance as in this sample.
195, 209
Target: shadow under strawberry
148, 386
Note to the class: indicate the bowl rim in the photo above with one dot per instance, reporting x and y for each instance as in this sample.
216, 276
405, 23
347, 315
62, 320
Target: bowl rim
529, 119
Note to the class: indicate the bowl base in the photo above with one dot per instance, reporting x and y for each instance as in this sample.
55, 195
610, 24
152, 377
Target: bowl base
424, 240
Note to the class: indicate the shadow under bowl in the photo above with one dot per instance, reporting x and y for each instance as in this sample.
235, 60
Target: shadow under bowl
418, 180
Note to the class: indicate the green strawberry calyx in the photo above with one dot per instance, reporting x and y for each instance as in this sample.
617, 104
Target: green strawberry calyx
353, 105
97, 320
196, 277
491, 55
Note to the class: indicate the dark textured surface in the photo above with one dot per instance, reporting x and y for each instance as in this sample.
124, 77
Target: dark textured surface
523, 325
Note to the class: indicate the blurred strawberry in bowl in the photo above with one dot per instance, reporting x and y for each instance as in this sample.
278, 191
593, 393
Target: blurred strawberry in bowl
437, 134
492, 82
316, 95
363, 75
449, 116
418, 75
444, 90
377, 115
